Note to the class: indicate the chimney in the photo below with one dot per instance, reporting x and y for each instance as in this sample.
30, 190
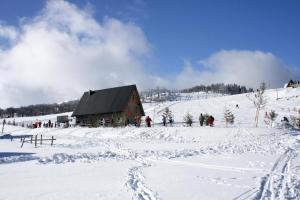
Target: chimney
91, 92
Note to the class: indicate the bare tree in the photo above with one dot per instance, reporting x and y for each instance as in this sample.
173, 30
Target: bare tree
259, 101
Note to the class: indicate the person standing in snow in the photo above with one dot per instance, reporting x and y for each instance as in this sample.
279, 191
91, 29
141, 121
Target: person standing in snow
201, 119
164, 120
170, 120
211, 120
148, 121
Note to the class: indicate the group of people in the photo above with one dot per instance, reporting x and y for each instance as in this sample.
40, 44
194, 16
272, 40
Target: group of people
164, 120
49, 124
207, 120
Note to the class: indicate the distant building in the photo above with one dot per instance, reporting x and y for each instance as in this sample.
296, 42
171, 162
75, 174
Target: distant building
293, 84
117, 106
62, 119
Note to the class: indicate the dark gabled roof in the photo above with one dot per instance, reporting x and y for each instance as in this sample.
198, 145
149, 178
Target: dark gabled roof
111, 100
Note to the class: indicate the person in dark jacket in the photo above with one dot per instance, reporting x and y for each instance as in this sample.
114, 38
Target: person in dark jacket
148, 121
171, 120
201, 119
211, 120
164, 119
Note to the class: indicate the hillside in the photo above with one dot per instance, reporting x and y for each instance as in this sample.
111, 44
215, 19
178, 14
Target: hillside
238, 162
287, 103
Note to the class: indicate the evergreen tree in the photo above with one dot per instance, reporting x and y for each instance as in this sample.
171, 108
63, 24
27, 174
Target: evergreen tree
168, 115
228, 117
188, 119
270, 117
273, 115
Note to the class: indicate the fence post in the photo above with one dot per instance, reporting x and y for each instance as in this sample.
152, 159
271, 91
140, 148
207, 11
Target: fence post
3, 123
35, 142
41, 139
22, 140
52, 140
31, 139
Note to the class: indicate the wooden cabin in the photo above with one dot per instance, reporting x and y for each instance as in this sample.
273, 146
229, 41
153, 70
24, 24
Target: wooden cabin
117, 106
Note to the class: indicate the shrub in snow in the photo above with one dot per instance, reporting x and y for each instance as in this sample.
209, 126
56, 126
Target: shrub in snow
270, 118
228, 117
168, 115
295, 121
188, 119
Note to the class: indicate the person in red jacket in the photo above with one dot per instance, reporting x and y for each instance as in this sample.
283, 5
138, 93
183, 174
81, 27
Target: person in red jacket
148, 121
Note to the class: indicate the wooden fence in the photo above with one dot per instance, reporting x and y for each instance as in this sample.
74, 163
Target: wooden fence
36, 140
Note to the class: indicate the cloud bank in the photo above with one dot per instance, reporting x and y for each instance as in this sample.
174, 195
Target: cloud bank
64, 51
243, 67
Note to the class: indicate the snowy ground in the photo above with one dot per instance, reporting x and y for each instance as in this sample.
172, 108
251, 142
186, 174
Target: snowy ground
239, 162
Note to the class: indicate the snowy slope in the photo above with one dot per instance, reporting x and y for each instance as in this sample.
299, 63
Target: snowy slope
286, 105
239, 162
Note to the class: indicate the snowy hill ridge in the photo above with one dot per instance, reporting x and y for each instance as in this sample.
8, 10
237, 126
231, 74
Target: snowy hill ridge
284, 101
240, 162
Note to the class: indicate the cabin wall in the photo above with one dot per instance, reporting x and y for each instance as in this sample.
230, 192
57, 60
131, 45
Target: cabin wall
133, 109
112, 119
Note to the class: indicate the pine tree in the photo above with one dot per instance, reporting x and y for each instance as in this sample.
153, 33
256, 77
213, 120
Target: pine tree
270, 117
168, 113
188, 119
228, 117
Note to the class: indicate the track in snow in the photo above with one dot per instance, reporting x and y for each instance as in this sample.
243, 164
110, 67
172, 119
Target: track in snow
136, 183
278, 184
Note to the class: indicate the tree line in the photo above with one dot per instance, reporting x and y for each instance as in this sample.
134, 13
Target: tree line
39, 109
152, 95
162, 94
229, 89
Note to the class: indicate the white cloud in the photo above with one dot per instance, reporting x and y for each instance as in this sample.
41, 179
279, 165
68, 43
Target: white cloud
8, 32
65, 51
243, 67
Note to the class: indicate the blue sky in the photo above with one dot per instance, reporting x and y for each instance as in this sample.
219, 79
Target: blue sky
193, 30
93, 44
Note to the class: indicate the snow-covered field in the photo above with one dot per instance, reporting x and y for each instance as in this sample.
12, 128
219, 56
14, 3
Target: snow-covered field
238, 162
